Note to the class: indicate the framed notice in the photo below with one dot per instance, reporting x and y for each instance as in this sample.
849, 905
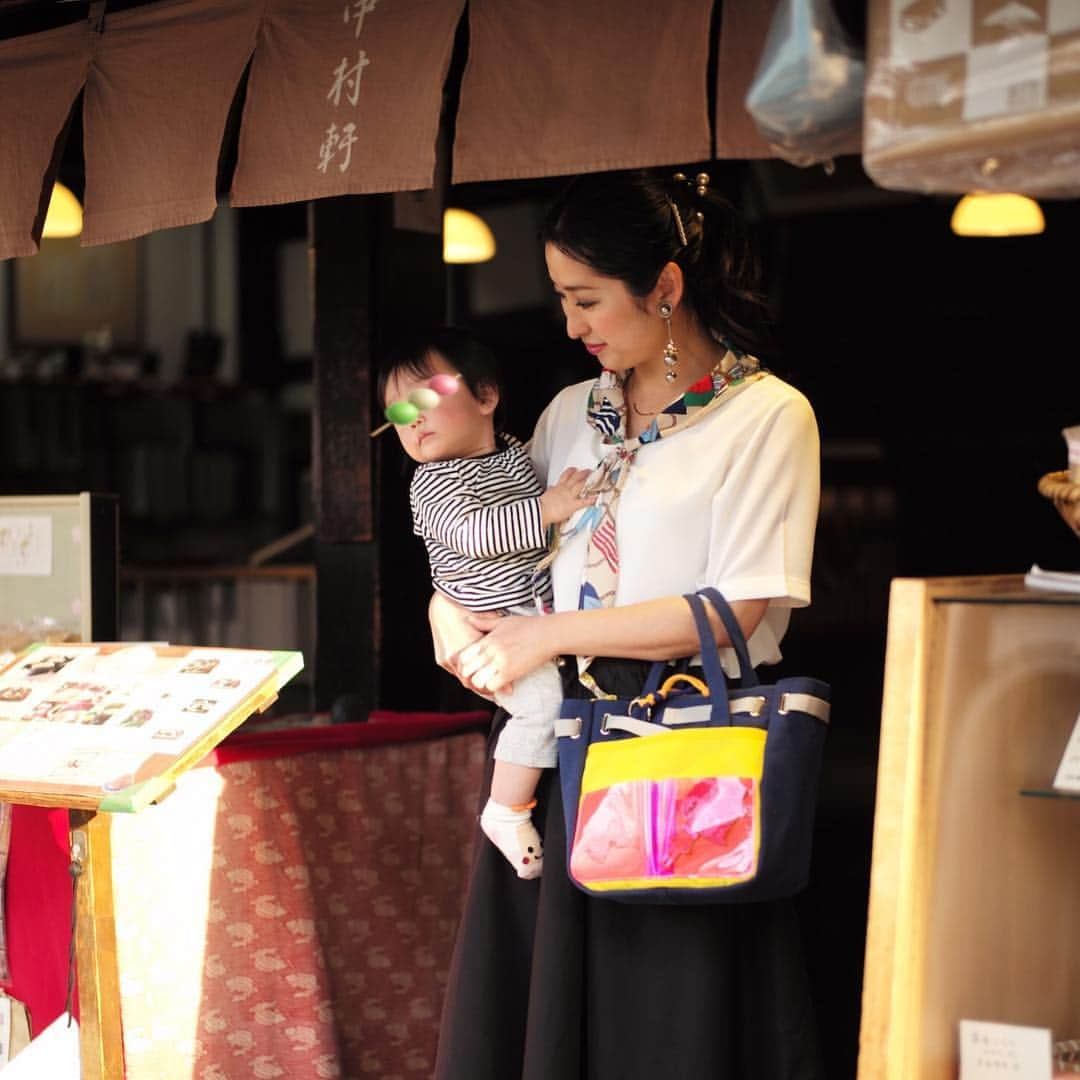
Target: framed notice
59, 566
110, 726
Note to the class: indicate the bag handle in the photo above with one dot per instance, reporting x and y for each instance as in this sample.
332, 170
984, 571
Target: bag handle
747, 675
656, 675
710, 654
710, 660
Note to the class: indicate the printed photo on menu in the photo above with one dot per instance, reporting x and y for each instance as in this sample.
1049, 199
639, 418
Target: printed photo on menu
94, 719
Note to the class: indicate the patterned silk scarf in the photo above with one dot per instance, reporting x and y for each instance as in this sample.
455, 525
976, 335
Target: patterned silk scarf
607, 413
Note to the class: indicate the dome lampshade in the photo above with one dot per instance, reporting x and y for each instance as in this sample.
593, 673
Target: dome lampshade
64, 216
997, 214
466, 238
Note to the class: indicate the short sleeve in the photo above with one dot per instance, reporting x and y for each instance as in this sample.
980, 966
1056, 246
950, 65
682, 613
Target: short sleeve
765, 513
539, 446
557, 433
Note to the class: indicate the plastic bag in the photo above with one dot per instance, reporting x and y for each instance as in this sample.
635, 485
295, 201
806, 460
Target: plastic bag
807, 93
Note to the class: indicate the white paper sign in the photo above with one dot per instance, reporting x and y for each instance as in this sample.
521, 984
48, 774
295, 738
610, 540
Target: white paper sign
53, 1054
1004, 1052
26, 545
1067, 777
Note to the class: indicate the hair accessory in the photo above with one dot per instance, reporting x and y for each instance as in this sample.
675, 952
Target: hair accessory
678, 221
422, 399
700, 184
671, 350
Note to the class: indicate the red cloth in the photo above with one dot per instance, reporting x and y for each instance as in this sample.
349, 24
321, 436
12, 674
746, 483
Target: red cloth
38, 912
381, 728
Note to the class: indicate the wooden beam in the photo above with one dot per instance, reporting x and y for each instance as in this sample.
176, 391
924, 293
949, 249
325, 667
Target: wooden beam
343, 239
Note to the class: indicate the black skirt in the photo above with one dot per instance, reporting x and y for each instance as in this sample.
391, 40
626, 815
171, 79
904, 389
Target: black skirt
547, 983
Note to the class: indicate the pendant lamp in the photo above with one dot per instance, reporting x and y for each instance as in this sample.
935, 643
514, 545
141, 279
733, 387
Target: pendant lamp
466, 238
64, 216
985, 213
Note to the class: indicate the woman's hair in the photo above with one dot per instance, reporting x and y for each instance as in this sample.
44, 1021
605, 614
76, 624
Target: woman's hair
625, 225
471, 358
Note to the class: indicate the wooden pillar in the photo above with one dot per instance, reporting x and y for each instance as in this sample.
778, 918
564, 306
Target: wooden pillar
343, 234
378, 272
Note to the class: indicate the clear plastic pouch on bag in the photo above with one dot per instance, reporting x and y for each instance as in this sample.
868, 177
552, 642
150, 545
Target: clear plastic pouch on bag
700, 828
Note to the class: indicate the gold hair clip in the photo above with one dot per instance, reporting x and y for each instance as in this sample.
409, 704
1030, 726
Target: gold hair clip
678, 221
700, 182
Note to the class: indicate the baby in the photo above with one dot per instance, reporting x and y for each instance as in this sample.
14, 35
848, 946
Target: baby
483, 516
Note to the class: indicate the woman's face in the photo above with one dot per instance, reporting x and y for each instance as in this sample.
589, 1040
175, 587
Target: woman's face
622, 331
460, 426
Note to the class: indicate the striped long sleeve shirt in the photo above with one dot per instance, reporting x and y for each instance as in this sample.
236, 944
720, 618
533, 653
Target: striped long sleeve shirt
480, 521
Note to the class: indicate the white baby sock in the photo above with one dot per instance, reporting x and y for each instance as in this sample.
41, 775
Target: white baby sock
511, 830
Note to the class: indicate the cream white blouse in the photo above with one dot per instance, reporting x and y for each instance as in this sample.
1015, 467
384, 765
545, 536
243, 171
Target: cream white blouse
730, 502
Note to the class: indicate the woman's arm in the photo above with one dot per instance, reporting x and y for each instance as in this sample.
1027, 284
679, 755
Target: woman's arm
660, 629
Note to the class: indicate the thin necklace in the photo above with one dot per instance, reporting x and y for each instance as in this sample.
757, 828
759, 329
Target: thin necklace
654, 412
644, 412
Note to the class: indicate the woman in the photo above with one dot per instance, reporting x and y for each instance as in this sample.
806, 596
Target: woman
706, 473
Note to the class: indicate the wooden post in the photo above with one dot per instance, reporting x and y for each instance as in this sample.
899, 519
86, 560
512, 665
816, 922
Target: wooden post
378, 272
100, 1035
412, 295
343, 238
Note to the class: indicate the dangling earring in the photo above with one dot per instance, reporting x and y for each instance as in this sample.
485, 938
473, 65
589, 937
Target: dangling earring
671, 350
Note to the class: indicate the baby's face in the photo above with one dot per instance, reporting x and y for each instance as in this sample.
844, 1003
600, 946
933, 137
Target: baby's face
460, 426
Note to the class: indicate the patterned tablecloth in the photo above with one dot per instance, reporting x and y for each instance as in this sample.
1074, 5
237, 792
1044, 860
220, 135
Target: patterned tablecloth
293, 916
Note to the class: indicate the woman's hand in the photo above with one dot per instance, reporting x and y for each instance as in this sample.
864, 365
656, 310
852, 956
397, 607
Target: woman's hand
451, 631
512, 646
455, 628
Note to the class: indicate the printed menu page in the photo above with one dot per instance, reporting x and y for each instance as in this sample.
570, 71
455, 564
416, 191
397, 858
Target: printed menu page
110, 726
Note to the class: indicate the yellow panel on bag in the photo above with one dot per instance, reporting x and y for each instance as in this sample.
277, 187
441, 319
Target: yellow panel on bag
724, 751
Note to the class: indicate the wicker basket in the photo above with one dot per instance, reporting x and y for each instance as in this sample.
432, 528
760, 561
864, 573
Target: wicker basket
1065, 495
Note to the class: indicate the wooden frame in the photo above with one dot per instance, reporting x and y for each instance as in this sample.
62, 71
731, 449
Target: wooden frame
974, 887
81, 593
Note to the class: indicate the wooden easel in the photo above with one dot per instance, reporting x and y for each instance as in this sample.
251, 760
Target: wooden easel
90, 813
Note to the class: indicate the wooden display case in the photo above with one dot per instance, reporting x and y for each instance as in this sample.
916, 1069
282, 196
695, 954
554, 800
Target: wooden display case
975, 886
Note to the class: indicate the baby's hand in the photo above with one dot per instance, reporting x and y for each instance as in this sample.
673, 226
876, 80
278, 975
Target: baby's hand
565, 498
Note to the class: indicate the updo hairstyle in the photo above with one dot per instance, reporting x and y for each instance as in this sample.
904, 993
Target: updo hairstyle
622, 225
